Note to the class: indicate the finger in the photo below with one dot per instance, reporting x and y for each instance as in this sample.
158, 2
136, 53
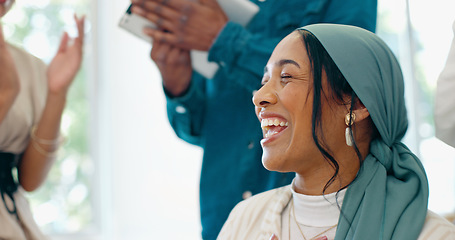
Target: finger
156, 45
159, 9
210, 3
155, 34
165, 37
173, 57
175, 4
158, 55
80, 23
160, 22
160, 58
273, 237
322, 238
63, 43
184, 57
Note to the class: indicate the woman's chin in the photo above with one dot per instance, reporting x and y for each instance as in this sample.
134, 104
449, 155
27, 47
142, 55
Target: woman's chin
272, 164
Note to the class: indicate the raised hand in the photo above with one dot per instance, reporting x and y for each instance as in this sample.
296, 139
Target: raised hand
67, 61
183, 23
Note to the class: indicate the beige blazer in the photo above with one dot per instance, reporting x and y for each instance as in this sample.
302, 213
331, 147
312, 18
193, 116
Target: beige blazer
260, 216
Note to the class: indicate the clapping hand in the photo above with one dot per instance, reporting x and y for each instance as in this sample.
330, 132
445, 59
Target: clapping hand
67, 61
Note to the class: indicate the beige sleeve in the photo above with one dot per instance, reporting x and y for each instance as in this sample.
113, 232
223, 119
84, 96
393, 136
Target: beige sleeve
437, 228
232, 226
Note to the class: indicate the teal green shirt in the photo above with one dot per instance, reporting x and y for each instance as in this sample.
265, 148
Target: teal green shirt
218, 114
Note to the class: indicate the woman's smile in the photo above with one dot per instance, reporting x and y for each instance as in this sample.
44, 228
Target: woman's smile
272, 127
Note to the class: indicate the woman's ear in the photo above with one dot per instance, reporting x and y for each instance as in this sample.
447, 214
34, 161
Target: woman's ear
361, 114
359, 110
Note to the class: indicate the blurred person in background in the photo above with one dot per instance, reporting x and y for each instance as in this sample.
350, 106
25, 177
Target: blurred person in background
32, 99
444, 109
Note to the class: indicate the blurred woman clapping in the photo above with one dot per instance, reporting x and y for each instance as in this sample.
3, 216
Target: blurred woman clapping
32, 99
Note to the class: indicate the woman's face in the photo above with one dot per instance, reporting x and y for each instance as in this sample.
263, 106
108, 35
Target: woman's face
5, 6
284, 107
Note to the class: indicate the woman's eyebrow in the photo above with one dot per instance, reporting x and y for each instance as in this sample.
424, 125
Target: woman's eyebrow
283, 62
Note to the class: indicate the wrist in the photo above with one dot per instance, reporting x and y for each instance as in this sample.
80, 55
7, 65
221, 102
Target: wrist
57, 84
46, 146
56, 91
58, 97
176, 89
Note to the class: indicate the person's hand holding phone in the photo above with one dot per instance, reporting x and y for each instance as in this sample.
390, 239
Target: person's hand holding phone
186, 24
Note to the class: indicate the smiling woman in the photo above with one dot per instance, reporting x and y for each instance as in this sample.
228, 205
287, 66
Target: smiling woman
286, 97
333, 111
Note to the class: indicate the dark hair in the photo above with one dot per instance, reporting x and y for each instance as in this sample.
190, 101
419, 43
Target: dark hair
320, 60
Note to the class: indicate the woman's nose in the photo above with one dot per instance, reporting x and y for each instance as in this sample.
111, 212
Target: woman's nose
264, 96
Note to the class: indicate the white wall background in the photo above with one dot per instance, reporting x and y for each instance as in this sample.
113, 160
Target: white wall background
432, 21
149, 178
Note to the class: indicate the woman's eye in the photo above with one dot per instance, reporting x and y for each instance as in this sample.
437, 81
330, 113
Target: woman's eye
285, 78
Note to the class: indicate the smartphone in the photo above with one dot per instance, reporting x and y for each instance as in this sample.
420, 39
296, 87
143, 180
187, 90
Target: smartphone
134, 24
239, 11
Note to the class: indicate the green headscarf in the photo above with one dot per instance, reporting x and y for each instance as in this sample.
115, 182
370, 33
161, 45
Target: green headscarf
389, 198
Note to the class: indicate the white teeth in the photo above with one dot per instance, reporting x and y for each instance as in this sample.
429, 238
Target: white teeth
273, 122
276, 122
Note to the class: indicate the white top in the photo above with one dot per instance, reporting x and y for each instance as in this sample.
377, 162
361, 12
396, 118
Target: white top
444, 109
314, 214
261, 216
